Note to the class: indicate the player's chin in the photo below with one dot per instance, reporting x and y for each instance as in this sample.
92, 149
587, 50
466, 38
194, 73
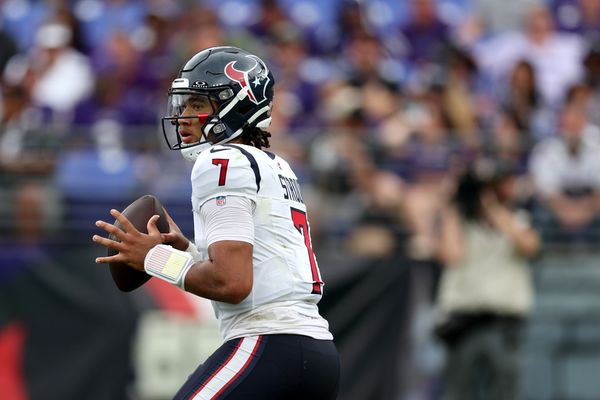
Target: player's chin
188, 140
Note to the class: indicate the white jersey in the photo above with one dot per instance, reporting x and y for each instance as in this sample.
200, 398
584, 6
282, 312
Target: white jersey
287, 283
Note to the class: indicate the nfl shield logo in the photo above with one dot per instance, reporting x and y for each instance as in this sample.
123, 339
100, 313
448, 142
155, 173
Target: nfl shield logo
221, 200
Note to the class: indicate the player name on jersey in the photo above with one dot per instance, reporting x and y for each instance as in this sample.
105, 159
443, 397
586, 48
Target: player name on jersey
292, 189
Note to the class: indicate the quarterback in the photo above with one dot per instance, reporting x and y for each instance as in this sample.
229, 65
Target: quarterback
251, 254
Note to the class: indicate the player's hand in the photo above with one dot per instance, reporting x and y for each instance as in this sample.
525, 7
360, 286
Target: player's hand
131, 244
175, 237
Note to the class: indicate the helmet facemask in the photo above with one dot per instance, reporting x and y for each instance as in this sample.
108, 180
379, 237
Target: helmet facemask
192, 123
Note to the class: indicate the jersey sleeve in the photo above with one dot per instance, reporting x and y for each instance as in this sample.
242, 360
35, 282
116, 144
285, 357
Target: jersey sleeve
224, 171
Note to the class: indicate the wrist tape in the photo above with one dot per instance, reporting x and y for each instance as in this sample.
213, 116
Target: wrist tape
191, 249
168, 264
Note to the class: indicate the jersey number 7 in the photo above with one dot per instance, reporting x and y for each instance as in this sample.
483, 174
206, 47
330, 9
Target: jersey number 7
223, 162
301, 223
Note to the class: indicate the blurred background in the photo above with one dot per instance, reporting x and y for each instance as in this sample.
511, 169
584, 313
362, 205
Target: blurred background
449, 153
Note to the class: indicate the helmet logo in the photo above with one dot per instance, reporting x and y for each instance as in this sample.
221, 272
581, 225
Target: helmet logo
255, 79
180, 83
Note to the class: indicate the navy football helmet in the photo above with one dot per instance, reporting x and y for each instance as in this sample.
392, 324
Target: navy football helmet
238, 86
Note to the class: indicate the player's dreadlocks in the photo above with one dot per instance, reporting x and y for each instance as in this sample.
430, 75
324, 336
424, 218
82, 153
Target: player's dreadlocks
256, 137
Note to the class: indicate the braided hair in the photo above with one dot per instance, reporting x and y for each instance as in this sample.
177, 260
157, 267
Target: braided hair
256, 137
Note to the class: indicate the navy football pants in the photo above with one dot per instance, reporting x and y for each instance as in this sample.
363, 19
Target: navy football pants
268, 367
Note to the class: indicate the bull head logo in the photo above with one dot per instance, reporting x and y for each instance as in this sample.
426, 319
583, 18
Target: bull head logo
255, 79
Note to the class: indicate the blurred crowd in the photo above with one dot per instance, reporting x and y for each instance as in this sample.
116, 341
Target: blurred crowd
381, 104
384, 107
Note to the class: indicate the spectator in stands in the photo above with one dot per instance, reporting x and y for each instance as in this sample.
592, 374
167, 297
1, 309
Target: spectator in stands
126, 91
154, 40
62, 76
8, 48
427, 159
21, 20
100, 18
356, 199
64, 15
198, 27
566, 175
485, 293
520, 96
591, 65
349, 22
381, 104
494, 17
363, 59
24, 147
456, 91
271, 17
29, 204
578, 16
555, 57
425, 33
508, 142
581, 95
298, 78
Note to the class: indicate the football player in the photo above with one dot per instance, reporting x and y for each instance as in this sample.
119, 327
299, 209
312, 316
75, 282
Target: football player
251, 253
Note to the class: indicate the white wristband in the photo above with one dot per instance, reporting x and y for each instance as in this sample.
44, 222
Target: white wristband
168, 264
193, 250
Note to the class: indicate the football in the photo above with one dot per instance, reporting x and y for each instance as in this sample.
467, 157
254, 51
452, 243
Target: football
138, 212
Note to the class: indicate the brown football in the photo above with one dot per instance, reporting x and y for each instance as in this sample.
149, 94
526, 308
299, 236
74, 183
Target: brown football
138, 212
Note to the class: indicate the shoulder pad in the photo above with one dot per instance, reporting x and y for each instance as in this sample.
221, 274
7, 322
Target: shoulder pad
225, 170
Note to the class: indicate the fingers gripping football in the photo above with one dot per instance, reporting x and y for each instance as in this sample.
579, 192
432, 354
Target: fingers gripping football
131, 244
174, 237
